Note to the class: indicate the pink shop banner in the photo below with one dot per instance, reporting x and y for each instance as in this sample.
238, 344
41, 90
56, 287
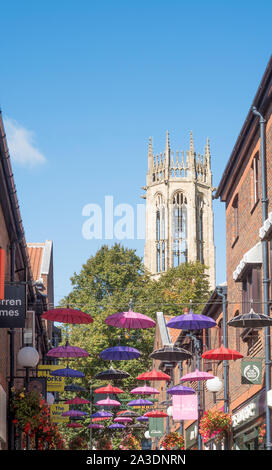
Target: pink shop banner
185, 407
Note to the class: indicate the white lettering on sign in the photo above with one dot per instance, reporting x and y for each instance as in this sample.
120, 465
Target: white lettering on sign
244, 414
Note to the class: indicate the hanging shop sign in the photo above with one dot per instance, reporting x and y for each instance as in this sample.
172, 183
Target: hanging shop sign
251, 372
13, 306
56, 411
191, 434
156, 427
185, 407
53, 382
252, 410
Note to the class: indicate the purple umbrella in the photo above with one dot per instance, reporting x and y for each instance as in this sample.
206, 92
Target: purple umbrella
67, 351
180, 390
117, 426
102, 414
96, 426
142, 418
145, 390
73, 413
119, 353
140, 402
191, 321
67, 372
108, 402
130, 320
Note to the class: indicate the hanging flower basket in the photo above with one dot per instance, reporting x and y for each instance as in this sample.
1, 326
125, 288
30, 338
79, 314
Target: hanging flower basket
103, 444
261, 433
215, 425
130, 442
172, 441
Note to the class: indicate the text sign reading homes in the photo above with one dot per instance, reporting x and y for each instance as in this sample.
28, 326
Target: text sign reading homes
13, 306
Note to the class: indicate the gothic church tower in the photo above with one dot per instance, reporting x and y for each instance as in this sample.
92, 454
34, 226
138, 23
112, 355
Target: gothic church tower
179, 213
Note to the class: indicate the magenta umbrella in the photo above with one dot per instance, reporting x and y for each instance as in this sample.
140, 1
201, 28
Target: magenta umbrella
73, 413
130, 320
121, 419
145, 390
67, 351
108, 402
96, 426
196, 376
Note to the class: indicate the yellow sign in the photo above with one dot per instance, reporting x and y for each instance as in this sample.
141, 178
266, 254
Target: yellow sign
56, 411
54, 383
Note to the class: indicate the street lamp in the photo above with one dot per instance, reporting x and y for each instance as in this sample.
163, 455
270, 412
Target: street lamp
169, 411
214, 385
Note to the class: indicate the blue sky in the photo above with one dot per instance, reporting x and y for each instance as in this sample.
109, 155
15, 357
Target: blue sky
85, 83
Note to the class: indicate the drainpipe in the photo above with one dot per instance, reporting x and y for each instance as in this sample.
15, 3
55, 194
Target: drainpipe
222, 292
266, 280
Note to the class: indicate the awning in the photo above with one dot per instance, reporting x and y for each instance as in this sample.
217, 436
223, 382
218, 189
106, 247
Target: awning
251, 258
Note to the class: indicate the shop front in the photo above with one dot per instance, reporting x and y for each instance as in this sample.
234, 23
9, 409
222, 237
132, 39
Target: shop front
248, 424
191, 435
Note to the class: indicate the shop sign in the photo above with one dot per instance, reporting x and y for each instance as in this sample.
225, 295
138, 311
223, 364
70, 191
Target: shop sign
56, 411
54, 383
191, 434
245, 414
156, 427
13, 306
251, 372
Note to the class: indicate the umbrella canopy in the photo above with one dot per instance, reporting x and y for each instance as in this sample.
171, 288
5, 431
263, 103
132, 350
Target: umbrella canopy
145, 390
130, 320
102, 414
108, 402
74, 425
109, 389
67, 372
136, 425
73, 413
76, 401
128, 413
156, 414
123, 419
154, 375
180, 390
196, 376
67, 351
96, 426
140, 402
67, 315
112, 374
170, 353
117, 426
251, 320
191, 321
119, 353
74, 388
222, 354
142, 418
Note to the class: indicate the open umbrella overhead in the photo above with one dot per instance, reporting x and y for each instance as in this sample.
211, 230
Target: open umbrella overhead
119, 353
74, 425
142, 418
191, 321
73, 413
74, 388
145, 390
128, 413
96, 426
180, 390
153, 375
109, 389
108, 402
76, 401
102, 414
117, 426
67, 372
123, 419
140, 402
170, 353
197, 375
67, 351
67, 315
130, 320
156, 414
222, 354
251, 320
112, 374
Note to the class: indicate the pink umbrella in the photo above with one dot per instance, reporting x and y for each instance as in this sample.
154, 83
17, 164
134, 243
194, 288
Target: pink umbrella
67, 351
96, 426
123, 420
196, 376
130, 320
108, 402
145, 390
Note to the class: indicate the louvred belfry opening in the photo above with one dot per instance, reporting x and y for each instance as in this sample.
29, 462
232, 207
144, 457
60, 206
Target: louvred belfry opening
2, 273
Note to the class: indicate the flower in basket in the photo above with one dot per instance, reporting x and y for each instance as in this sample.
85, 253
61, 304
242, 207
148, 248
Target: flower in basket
215, 425
173, 440
26, 408
130, 442
261, 433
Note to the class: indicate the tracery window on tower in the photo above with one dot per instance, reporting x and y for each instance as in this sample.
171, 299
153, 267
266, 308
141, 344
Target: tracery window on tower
199, 228
179, 229
160, 234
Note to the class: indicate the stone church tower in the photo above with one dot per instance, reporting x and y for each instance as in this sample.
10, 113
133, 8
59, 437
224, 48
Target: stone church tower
179, 213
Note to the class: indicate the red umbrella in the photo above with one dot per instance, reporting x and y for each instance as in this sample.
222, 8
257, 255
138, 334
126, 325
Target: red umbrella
74, 425
153, 375
109, 389
67, 315
76, 401
156, 414
222, 354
